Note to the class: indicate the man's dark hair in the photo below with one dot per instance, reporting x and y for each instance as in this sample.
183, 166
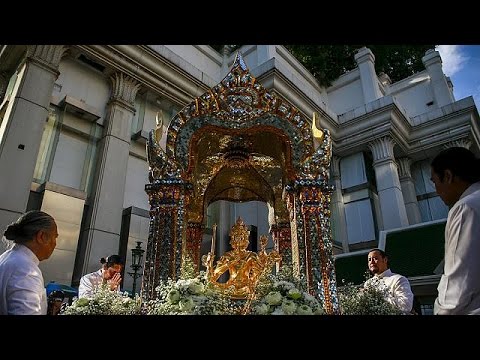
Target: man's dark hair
27, 226
112, 260
460, 161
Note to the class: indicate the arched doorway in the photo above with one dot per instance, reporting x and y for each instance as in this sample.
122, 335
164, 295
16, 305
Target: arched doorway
238, 142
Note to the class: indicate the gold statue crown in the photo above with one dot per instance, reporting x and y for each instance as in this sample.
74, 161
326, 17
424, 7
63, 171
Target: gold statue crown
239, 229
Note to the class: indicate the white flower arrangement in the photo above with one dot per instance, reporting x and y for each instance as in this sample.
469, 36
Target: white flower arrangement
284, 296
368, 300
189, 297
104, 302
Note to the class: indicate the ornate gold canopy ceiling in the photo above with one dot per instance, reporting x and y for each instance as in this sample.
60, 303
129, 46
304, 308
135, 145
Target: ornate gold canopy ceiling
239, 142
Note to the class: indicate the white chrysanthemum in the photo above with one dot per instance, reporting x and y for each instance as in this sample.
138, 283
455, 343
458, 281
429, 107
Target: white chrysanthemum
262, 309
304, 310
289, 307
294, 294
273, 298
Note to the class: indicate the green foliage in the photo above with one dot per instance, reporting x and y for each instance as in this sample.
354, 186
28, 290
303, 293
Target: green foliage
325, 62
328, 62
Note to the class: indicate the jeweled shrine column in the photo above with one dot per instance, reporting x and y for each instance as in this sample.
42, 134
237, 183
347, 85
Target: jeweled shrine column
282, 238
167, 233
193, 243
312, 248
297, 240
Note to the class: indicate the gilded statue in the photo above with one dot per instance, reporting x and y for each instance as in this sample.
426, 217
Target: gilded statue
243, 266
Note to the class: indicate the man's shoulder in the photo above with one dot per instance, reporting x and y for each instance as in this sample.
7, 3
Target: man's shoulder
15, 259
91, 275
398, 278
469, 202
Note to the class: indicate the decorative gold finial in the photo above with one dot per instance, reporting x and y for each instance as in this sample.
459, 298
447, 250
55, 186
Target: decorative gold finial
316, 132
159, 126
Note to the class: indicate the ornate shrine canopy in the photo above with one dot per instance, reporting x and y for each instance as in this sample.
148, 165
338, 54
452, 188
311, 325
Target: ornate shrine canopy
240, 142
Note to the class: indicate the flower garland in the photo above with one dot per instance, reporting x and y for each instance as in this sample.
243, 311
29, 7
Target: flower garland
283, 294
189, 297
368, 300
104, 302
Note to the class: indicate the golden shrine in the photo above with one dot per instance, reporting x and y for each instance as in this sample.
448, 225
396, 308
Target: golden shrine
244, 267
240, 142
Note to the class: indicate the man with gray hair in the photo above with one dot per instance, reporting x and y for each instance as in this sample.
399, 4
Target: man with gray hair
22, 290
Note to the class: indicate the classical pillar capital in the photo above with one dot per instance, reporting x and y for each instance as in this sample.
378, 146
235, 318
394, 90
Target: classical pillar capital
364, 54
124, 88
431, 57
382, 149
404, 164
335, 164
48, 56
465, 143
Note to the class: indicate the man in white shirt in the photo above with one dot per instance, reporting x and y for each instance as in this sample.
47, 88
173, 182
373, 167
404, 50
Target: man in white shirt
456, 175
22, 290
109, 275
399, 291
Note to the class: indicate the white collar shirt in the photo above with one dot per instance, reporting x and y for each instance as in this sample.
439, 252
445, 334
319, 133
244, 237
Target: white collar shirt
459, 287
399, 290
22, 289
89, 283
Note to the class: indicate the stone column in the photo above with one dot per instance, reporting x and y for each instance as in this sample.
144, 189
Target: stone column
368, 77
465, 143
441, 91
22, 128
408, 191
338, 207
392, 206
101, 233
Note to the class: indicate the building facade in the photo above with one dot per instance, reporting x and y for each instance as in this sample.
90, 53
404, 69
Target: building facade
75, 119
